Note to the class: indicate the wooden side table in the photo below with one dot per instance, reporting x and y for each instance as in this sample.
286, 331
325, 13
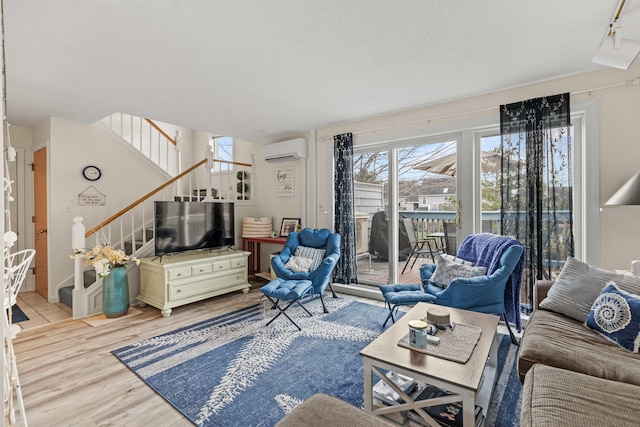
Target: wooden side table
252, 244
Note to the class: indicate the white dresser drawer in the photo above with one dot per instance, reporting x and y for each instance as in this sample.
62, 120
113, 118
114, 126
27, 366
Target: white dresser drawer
221, 265
198, 270
238, 262
179, 273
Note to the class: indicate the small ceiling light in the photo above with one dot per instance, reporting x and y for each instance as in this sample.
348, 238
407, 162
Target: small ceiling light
615, 50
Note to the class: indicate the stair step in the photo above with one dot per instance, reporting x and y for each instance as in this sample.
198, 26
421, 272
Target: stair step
65, 295
128, 247
89, 277
139, 242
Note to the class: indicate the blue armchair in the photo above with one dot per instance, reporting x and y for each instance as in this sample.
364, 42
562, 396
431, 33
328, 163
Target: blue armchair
308, 240
494, 293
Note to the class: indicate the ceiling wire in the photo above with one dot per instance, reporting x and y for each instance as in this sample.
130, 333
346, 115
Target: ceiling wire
616, 16
633, 82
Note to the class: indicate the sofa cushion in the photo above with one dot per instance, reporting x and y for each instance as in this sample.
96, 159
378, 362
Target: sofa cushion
322, 410
556, 340
579, 284
448, 269
557, 397
572, 296
616, 316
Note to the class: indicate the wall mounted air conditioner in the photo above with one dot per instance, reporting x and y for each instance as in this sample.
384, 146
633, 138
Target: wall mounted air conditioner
285, 151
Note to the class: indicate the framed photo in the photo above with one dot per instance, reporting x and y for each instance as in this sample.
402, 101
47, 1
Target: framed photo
289, 225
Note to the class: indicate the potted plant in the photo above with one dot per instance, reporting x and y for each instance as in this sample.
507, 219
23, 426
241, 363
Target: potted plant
111, 266
242, 188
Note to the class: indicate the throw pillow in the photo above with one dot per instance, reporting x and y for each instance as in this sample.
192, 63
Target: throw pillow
447, 270
298, 264
572, 296
615, 314
315, 254
457, 260
579, 284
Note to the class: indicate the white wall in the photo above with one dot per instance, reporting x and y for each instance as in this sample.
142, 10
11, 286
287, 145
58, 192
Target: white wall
267, 201
619, 126
72, 146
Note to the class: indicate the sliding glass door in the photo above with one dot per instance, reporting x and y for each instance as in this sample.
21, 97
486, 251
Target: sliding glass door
414, 181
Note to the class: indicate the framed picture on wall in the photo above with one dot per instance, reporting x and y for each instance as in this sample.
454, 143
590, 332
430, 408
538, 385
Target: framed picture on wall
289, 225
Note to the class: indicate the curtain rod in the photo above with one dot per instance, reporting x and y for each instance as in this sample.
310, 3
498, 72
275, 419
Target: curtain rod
633, 82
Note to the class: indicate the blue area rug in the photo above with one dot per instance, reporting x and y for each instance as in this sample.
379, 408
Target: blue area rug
17, 315
233, 371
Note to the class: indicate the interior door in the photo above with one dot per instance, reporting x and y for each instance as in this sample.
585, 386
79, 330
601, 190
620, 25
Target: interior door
40, 221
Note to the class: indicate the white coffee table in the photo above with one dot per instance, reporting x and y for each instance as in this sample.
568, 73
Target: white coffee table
471, 383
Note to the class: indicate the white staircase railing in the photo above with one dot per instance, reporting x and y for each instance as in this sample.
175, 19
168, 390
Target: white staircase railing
149, 139
128, 228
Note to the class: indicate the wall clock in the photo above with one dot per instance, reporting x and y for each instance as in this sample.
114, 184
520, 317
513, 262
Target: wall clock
92, 173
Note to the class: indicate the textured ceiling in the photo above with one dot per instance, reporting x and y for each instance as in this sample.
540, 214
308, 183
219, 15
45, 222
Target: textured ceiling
267, 69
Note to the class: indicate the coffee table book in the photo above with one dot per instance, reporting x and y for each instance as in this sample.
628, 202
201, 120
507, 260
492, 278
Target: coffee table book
384, 395
447, 415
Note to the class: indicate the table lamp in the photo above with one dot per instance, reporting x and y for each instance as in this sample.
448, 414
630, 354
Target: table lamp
628, 194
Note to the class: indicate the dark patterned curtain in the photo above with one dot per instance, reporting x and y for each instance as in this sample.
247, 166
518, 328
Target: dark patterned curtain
345, 271
536, 184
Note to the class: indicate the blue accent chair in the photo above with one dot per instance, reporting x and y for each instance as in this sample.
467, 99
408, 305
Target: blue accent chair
321, 276
485, 294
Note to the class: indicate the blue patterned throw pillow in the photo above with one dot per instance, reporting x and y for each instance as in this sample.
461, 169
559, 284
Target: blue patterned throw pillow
317, 255
615, 314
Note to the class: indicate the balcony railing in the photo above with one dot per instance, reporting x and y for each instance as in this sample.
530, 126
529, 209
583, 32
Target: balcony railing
430, 222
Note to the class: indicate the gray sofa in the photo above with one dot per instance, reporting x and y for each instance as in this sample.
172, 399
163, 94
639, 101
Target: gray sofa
572, 376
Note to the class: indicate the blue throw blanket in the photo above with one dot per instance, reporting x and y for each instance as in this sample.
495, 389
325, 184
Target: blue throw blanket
485, 250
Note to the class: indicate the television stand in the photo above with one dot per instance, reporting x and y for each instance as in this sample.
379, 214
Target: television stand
185, 278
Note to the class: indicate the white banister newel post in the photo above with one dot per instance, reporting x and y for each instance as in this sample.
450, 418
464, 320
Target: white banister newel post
77, 242
78, 295
178, 148
209, 166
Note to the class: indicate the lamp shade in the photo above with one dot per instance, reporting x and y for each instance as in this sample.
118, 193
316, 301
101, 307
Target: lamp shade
628, 194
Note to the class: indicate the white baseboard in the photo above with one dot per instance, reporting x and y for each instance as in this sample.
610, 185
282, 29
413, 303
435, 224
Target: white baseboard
359, 291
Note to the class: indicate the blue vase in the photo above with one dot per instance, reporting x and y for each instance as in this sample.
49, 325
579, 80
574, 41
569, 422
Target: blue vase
115, 293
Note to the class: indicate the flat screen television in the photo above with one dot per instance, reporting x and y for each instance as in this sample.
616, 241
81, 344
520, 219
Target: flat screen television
192, 226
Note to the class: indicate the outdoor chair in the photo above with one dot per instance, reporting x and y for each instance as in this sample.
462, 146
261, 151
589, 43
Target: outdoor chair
320, 246
496, 292
419, 246
450, 237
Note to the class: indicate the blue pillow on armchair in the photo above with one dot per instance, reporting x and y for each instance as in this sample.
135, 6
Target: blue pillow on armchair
615, 314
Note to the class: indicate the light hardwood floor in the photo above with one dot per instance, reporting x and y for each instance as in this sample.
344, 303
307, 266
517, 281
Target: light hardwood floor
70, 378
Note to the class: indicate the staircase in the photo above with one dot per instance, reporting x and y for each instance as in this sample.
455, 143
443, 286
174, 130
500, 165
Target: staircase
65, 294
148, 139
131, 229
125, 230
